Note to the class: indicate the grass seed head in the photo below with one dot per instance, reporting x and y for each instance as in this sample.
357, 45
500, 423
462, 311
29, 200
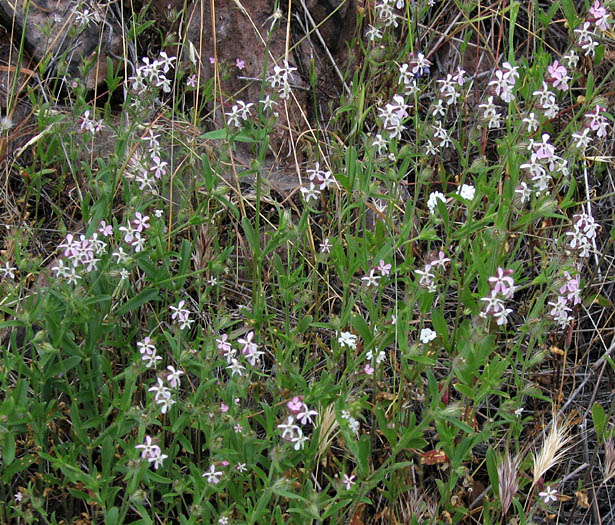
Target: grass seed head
554, 447
507, 480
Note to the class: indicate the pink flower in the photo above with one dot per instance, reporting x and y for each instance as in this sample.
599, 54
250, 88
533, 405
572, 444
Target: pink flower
140, 222
503, 283
369, 370
212, 60
192, 81
599, 16
558, 76
223, 408
105, 229
384, 269
544, 150
295, 405
240, 64
223, 345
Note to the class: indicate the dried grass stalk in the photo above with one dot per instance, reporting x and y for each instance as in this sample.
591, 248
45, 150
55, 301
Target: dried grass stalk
508, 483
554, 448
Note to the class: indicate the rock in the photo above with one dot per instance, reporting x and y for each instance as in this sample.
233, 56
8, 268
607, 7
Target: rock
58, 32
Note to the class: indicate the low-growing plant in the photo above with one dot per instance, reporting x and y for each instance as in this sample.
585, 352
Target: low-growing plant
397, 339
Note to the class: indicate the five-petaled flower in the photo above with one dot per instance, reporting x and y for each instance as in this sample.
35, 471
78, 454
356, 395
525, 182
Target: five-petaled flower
549, 494
213, 475
349, 481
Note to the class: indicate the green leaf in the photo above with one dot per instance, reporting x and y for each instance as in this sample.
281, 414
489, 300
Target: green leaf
569, 12
112, 516
599, 418
252, 237
439, 323
492, 470
8, 449
145, 296
185, 253
64, 366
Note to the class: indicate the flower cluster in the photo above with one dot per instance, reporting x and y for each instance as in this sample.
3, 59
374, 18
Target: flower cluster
153, 74
249, 350
599, 16
239, 113
427, 335
147, 170
372, 279
299, 412
162, 393
569, 295
353, 423
557, 76
133, 231
449, 86
83, 254
546, 101
583, 232
374, 358
594, 121
385, 13
152, 452
491, 113
427, 276
504, 82
543, 162
147, 349
416, 67
319, 180
347, 339
181, 315
280, 79
393, 115
502, 287
89, 124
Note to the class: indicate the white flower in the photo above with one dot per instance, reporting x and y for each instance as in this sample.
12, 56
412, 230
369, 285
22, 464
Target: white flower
173, 376
212, 475
325, 246
347, 339
9, 270
157, 460
371, 279
267, 103
433, 199
150, 359
299, 441
310, 192
353, 424
427, 335
373, 33
524, 192
235, 367
379, 143
548, 494
532, 122
466, 191
290, 429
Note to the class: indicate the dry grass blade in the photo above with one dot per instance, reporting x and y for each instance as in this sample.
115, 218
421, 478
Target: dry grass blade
507, 480
554, 447
329, 428
609, 460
